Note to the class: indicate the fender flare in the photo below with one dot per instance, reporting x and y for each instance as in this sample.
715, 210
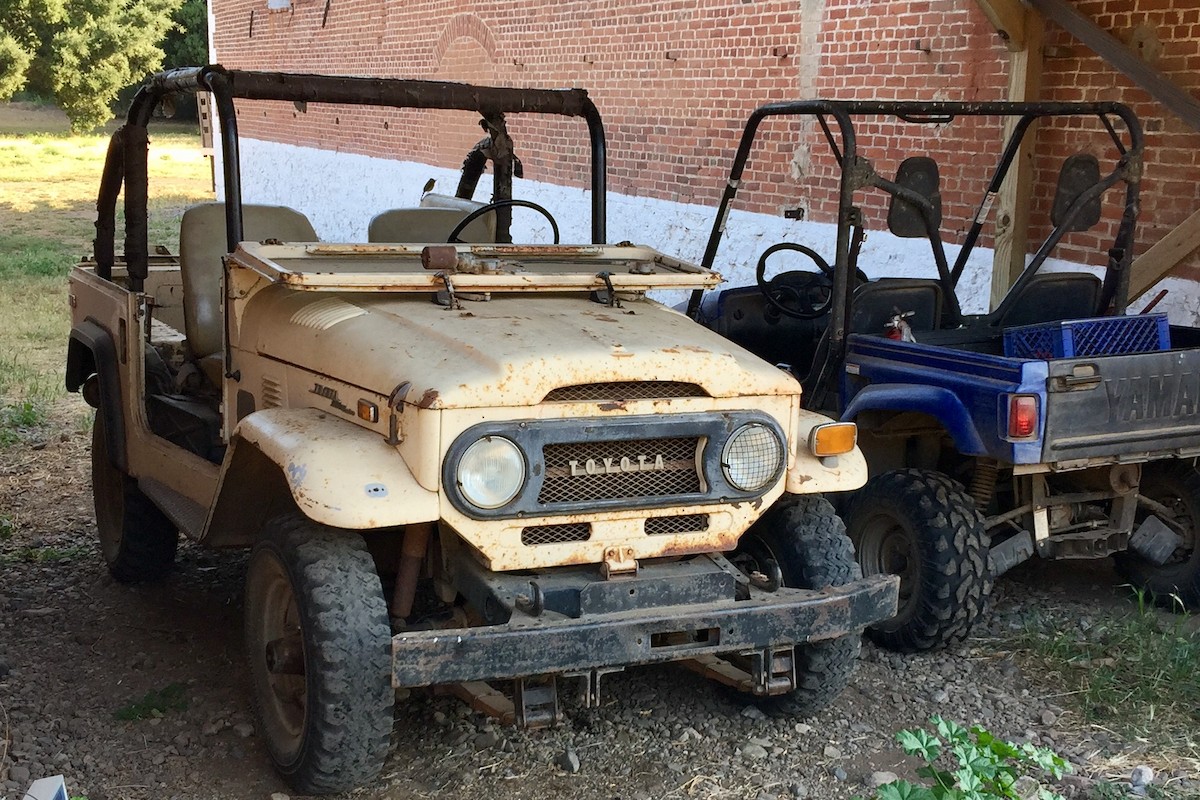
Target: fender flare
91, 351
335, 472
935, 401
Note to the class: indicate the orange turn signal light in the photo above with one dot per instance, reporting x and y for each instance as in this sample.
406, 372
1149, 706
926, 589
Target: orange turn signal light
368, 411
833, 439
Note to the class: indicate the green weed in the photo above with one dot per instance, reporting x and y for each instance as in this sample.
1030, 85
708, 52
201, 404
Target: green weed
31, 255
973, 764
46, 555
19, 420
155, 704
1136, 672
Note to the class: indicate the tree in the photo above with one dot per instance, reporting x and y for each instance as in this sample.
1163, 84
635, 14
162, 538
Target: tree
81, 52
186, 44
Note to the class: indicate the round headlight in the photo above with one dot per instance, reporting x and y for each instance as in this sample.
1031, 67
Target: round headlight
752, 457
491, 472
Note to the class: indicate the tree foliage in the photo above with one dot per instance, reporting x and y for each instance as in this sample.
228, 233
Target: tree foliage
186, 44
81, 52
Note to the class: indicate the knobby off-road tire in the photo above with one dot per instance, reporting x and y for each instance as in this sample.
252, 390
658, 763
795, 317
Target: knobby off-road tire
1176, 486
924, 527
808, 541
136, 539
325, 714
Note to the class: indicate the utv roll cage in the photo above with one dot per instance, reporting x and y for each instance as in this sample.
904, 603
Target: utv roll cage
126, 161
922, 212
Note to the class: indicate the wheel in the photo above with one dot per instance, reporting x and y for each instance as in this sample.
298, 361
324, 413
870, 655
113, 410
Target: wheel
452, 238
807, 542
924, 527
136, 539
1178, 488
319, 643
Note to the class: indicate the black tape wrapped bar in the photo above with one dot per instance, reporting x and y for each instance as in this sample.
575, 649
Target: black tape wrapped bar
227, 85
137, 254
104, 246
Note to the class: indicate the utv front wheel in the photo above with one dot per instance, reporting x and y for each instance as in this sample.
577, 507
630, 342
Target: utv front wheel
136, 539
319, 643
807, 541
1177, 488
924, 527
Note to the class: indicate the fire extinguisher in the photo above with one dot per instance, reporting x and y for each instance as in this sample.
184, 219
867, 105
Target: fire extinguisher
898, 329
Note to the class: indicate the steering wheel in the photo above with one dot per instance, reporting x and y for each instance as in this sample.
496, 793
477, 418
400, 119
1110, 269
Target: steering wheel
479, 212
803, 295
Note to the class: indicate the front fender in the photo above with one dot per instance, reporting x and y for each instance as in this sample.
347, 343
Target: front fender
808, 474
938, 402
337, 474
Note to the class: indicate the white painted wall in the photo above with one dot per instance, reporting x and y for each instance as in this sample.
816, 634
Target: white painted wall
341, 192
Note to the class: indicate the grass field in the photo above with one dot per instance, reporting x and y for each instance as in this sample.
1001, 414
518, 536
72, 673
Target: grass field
48, 183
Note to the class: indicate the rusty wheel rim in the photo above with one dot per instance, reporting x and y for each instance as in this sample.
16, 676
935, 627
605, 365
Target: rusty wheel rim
283, 695
886, 547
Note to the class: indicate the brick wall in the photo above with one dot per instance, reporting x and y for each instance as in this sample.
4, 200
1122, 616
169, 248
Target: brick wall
675, 80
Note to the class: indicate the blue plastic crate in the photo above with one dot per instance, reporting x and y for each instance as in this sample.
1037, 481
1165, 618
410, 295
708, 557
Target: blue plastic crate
1101, 336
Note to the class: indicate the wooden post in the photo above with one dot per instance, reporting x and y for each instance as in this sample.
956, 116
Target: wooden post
1012, 206
1154, 264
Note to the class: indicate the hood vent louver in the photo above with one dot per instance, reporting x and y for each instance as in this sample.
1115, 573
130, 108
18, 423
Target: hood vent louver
272, 393
620, 391
324, 314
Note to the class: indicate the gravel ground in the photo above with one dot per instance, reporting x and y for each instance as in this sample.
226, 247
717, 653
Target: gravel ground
76, 648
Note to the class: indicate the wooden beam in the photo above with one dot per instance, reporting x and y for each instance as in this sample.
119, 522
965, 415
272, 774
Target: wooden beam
1013, 202
1154, 264
1009, 19
1181, 102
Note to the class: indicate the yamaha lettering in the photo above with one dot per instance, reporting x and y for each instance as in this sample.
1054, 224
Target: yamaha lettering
1148, 397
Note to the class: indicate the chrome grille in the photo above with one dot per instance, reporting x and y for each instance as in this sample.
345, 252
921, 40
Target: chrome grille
625, 390
684, 523
677, 477
554, 534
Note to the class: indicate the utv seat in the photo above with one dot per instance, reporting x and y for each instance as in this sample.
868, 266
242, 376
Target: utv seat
1051, 296
874, 305
201, 250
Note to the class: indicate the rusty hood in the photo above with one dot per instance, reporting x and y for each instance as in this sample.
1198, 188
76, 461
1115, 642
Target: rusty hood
509, 351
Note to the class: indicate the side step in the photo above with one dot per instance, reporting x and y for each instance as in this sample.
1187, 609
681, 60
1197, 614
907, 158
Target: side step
188, 515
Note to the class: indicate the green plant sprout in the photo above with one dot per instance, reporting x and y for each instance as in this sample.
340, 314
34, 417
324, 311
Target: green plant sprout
987, 767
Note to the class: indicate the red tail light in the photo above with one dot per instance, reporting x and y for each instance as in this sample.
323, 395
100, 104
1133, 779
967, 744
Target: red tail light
1022, 416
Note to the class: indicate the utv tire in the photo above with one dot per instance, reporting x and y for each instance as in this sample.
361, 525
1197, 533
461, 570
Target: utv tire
924, 527
136, 539
1177, 487
319, 644
808, 542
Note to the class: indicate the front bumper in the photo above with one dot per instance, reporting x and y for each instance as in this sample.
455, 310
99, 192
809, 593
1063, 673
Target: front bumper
528, 646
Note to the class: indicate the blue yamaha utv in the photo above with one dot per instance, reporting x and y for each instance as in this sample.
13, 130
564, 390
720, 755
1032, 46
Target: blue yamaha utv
1056, 424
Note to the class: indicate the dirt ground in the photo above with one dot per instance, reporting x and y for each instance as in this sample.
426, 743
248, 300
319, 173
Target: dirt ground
79, 651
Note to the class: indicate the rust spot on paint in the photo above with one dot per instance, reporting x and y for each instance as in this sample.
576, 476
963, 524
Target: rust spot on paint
616, 405
429, 398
